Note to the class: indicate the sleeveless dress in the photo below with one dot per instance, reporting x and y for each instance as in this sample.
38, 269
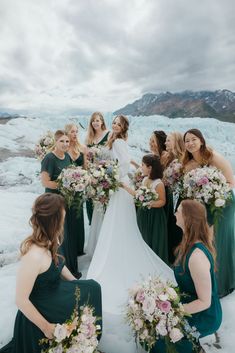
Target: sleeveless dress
89, 204
207, 321
121, 259
70, 246
153, 226
54, 298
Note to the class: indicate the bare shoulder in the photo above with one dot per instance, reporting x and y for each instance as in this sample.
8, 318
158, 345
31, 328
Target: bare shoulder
35, 254
217, 158
198, 259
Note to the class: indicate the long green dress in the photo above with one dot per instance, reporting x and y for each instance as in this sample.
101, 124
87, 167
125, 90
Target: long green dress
153, 227
225, 245
69, 248
54, 298
207, 321
174, 232
89, 204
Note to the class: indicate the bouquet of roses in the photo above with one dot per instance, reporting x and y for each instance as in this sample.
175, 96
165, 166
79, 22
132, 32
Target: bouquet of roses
172, 176
143, 196
72, 183
104, 181
207, 185
97, 153
77, 334
44, 145
137, 178
154, 311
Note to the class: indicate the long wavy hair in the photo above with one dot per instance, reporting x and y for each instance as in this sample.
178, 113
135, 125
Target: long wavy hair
206, 153
196, 229
77, 147
47, 223
178, 148
160, 138
124, 131
91, 131
151, 160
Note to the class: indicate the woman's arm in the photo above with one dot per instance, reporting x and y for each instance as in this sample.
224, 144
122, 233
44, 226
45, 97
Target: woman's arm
199, 267
128, 189
67, 275
221, 163
160, 189
47, 182
136, 165
30, 266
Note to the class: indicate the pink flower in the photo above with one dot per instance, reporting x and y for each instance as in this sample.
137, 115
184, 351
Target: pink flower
140, 296
141, 198
203, 181
175, 335
164, 306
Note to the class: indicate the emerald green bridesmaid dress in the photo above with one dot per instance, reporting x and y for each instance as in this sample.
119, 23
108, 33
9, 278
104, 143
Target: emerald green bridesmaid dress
152, 224
54, 298
207, 321
89, 203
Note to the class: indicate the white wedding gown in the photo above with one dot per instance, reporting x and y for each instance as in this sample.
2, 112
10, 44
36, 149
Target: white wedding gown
121, 259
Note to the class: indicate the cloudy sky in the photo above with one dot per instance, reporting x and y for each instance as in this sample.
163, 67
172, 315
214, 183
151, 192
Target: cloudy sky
84, 55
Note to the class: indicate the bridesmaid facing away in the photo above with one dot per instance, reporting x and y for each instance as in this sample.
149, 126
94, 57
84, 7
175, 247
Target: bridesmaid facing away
152, 221
194, 271
174, 151
197, 155
97, 135
157, 144
45, 288
77, 153
51, 167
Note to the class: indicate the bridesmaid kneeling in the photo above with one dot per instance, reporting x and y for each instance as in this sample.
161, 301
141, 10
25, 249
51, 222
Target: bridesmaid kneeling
195, 274
45, 290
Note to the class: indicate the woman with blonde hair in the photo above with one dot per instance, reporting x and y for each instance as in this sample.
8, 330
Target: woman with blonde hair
45, 288
198, 154
174, 152
97, 135
194, 271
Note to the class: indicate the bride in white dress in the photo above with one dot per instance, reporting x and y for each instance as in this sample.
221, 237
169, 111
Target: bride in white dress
121, 258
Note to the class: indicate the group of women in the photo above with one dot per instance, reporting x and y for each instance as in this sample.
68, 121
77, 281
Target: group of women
129, 246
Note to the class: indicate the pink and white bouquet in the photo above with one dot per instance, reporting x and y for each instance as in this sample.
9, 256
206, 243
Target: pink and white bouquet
97, 153
137, 178
72, 184
144, 195
154, 311
77, 335
207, 185
104, 181
44, 145
172, 176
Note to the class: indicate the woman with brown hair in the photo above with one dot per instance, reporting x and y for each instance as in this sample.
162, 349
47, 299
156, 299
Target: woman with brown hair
194, 271
45, 288
157, 144
197, 155
121, 255
97, 135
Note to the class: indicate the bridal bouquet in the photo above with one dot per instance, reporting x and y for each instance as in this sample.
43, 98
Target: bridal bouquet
172, 176
44, 145
143, 196
72, 184
77, 335
154, 311
207, 185
104, 181
96, 154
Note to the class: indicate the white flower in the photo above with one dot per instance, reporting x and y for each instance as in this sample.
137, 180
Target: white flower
149, 305
172, 293
163, 297
219, 203
175, 335
60, 332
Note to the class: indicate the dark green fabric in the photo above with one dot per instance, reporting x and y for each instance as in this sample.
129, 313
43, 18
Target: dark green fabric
74, 232
225, 246
153, 227
174, 232
89, 203
54, 298
53, 166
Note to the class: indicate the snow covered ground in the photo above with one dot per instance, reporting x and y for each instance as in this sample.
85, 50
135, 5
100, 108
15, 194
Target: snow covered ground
20, 185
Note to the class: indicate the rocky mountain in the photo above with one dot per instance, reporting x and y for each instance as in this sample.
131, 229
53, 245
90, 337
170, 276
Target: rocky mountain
218, 104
